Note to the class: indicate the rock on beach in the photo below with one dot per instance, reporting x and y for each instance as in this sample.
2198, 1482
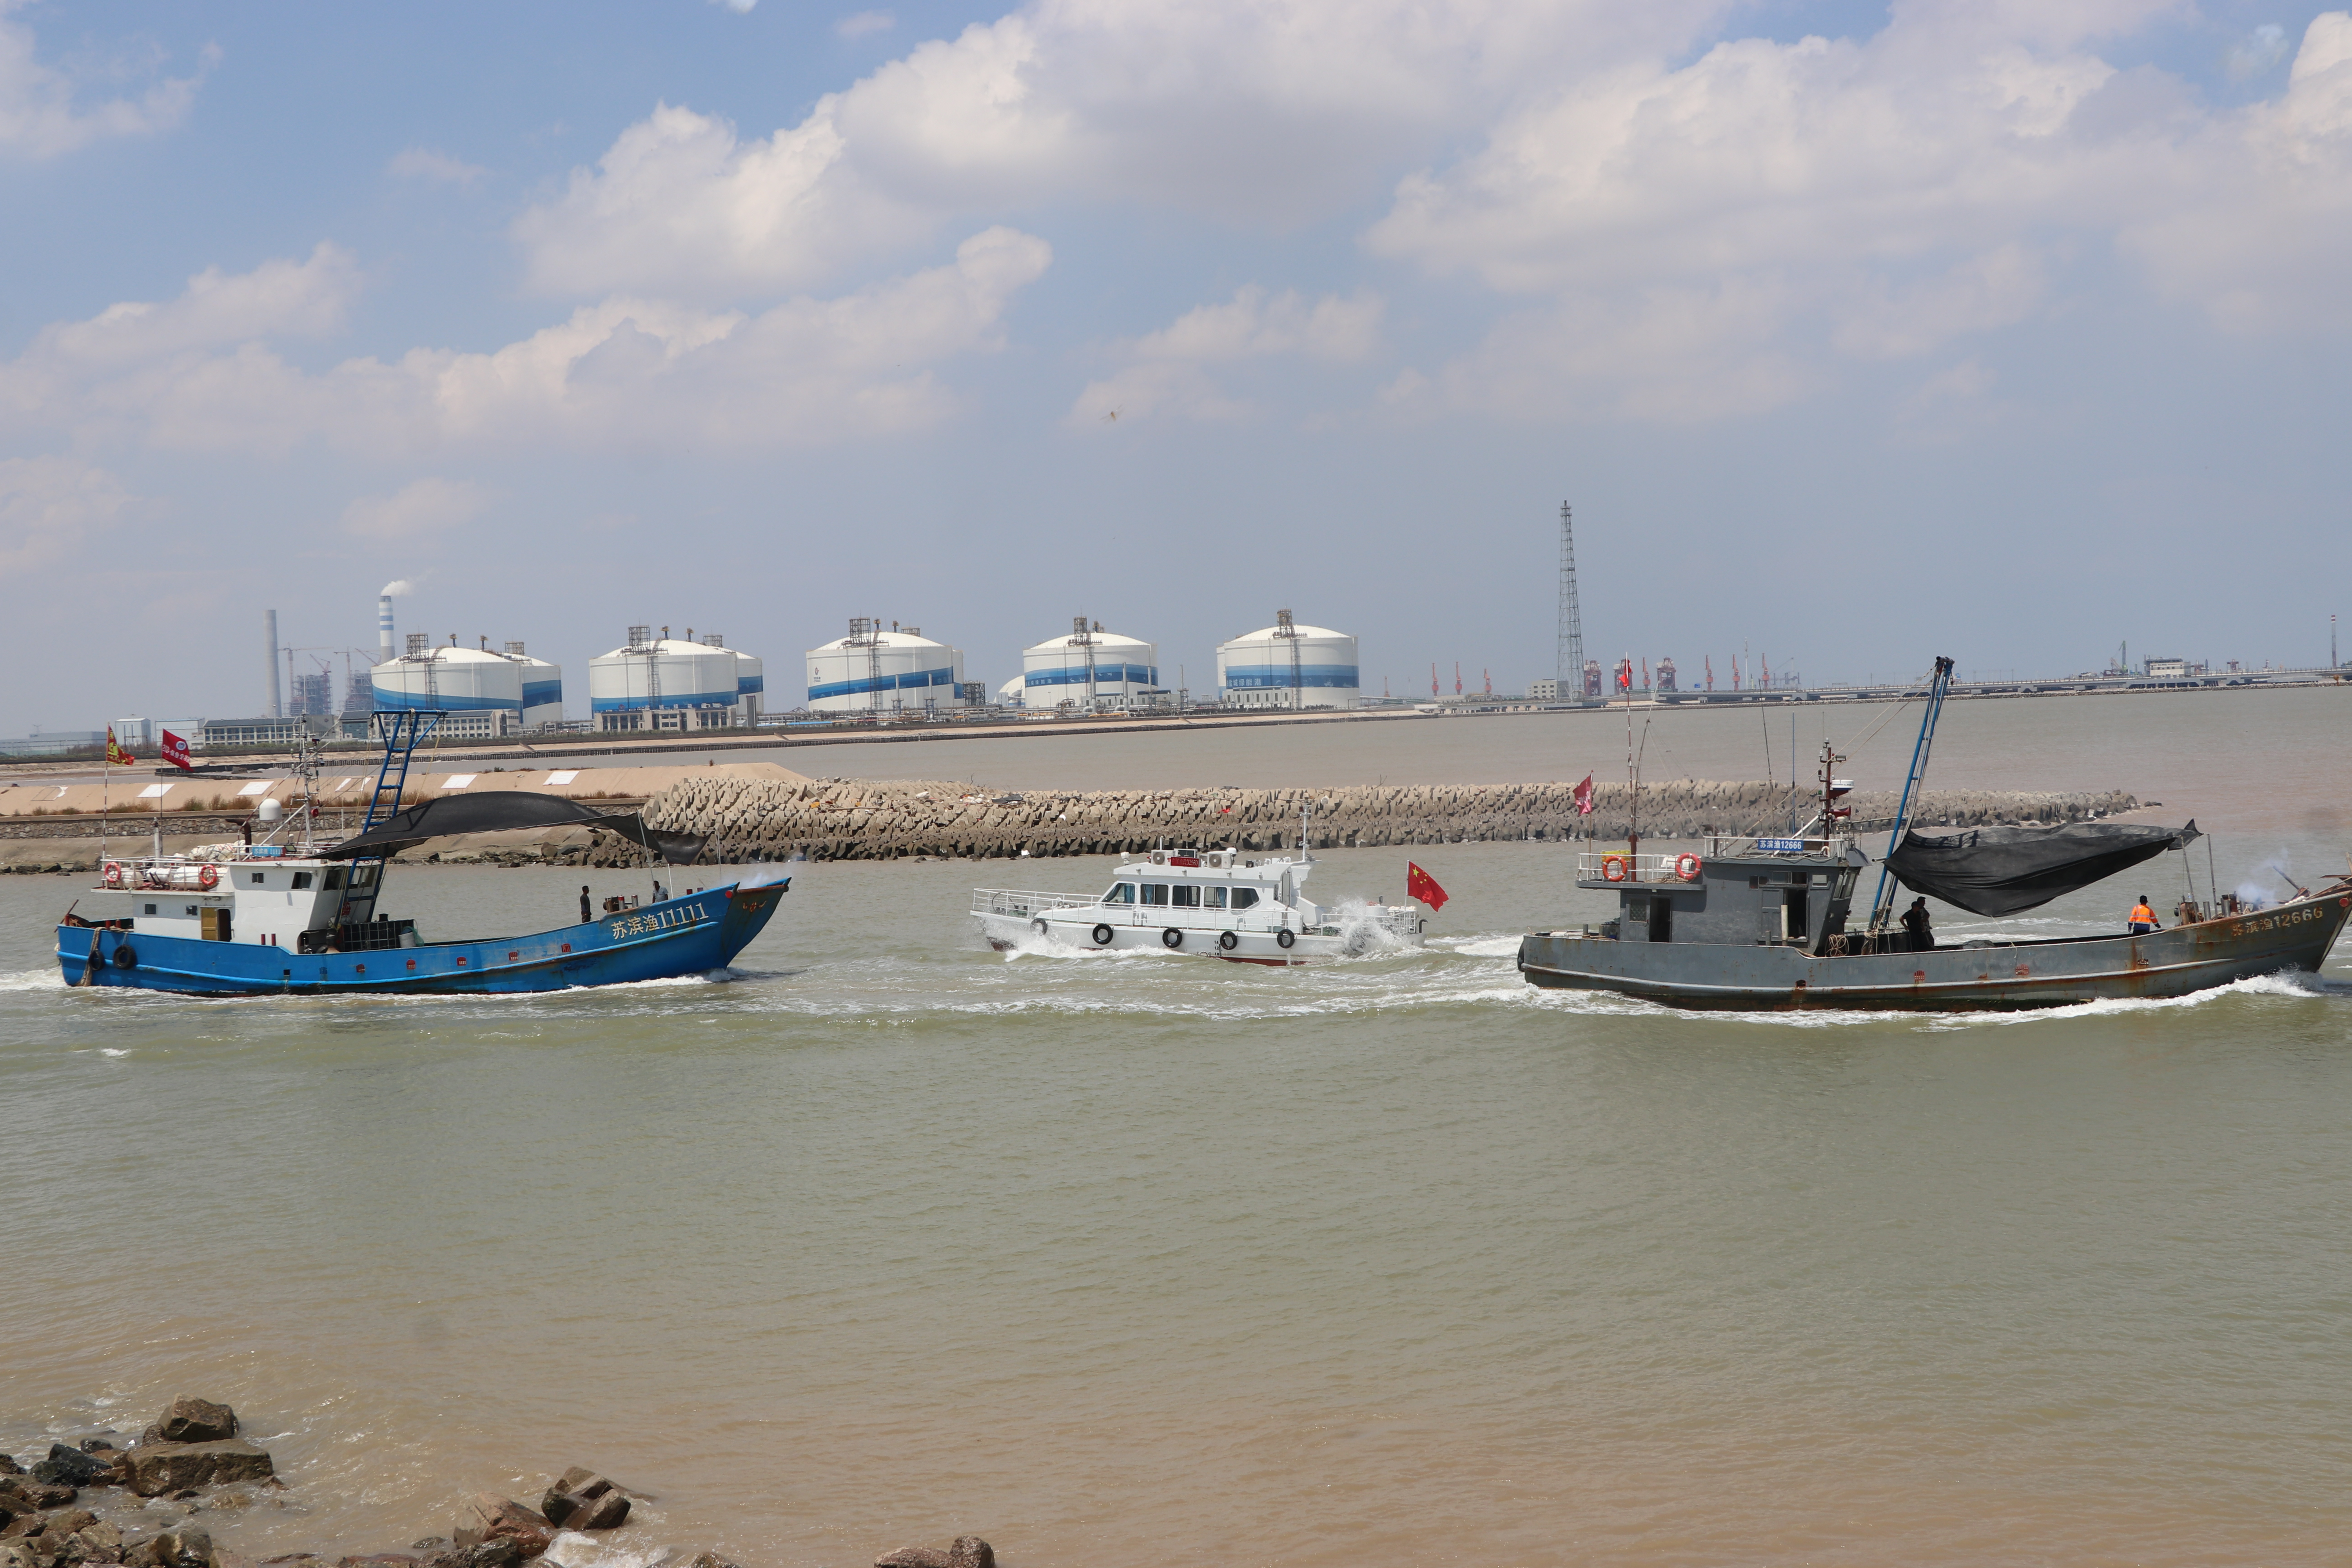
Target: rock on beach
158, 1469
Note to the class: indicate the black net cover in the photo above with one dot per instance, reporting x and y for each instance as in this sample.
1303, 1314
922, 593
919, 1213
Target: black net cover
2006, 871
497, 811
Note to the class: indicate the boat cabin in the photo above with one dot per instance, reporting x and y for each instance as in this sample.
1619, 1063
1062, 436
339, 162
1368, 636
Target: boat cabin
1735, 891
1207, 880
256, 894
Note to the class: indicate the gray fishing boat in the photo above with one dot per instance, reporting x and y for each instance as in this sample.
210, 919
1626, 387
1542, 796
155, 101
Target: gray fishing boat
1763, 923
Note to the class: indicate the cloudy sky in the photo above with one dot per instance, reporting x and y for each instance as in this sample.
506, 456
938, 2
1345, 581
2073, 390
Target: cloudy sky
1856, 333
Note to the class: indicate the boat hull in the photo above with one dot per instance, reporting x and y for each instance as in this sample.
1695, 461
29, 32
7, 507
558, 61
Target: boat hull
1078, 928
1995, 977
690, 935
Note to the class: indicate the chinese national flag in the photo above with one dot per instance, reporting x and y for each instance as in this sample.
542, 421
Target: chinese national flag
1584, 797
115, 755
1420, 884
175, 752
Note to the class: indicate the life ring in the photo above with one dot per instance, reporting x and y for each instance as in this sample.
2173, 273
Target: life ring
208, 877
1284, 937
114, 873
1687, 867
1613, 867
1171, 937
1102, 936
1228, 940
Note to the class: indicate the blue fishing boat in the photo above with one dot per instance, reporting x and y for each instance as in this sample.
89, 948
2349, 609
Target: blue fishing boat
302, 916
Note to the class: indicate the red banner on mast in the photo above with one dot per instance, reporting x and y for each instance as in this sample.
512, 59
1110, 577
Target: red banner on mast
175, 752
1584, 797
1420, 884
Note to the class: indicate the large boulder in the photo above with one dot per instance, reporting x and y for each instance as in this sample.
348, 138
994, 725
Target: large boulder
97, 1542
970, 1552
156, 1469
26, 1494
9, 1466
197, 1421
499, 1551
913, 1557
187, 1548
490, 1517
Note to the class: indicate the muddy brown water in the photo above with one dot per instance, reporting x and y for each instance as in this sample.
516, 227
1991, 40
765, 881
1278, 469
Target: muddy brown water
1115, 1259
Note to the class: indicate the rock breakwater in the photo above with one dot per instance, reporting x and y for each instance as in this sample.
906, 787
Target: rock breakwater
845, 819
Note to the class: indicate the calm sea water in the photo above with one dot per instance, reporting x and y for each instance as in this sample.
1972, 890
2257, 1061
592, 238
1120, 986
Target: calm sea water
1116, 1259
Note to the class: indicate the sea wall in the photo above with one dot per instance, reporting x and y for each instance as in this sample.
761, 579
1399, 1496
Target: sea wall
858, 820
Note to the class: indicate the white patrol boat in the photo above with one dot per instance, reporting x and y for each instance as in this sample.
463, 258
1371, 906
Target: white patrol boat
1201, 900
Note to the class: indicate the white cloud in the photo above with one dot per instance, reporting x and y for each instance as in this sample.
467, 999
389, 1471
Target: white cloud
420, 507
2258, 52
39, 118
1727, 226
49, 506
626, 371
1269, 110
859, 24
1165, 372
432, 167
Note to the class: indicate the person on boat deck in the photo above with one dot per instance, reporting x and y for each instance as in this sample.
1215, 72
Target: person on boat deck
586, 914
1915, 922
2142, 920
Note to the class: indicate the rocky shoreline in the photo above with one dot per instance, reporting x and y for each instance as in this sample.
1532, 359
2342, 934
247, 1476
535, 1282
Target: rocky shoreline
99, 1502
845, 819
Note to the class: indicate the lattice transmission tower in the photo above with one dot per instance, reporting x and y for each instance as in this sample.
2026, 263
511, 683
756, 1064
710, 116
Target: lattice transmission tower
1571, 624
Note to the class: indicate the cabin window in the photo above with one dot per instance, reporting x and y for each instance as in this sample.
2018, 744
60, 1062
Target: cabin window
1244, 897
334, 877
1120, 893
150, 908
363, 876
301, 880
1155, 893
254, 878
1213, 897
1187, 897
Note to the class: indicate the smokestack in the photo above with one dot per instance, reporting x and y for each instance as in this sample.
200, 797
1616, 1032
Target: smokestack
277, 693
384, 628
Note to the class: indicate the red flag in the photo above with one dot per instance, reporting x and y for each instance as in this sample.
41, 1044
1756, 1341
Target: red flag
1584, 797
1420, 884
175, 752
115, 755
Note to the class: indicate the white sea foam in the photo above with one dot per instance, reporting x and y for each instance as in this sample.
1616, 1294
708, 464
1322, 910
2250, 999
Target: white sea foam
49, 979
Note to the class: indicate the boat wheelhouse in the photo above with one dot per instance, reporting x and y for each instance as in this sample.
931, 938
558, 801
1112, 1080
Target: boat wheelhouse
1217, 901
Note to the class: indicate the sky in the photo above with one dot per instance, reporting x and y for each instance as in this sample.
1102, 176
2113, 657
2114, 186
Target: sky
1856, 334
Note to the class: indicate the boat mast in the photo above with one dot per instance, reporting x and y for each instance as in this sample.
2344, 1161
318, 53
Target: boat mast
1882, 903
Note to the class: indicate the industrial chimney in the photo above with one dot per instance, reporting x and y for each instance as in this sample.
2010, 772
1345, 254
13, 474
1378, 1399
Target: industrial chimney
277, 692
384, 628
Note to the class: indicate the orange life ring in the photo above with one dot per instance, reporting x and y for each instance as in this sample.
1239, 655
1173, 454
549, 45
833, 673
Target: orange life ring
114, 873
1613, 867
208, 877
1687, 867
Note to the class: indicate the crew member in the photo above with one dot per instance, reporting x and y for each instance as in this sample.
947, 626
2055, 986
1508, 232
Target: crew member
1915, 920
2142, 919
586, 914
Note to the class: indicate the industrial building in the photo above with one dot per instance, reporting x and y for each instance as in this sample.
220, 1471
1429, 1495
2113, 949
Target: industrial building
875, 671
1288, 666
528, 691
673, 683
1088, 668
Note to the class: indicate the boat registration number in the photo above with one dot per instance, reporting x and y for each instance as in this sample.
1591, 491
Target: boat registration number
656, 920
2272, 922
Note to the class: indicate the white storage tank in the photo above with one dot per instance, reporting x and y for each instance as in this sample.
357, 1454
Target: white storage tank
750, 678
470, 680
1287, 665
656, 674
1010, 694
1065, 670
875, 671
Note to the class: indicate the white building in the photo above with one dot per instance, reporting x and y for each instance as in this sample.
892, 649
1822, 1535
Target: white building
471, 680
1288, 666
1089, 667
672, 683
875, 671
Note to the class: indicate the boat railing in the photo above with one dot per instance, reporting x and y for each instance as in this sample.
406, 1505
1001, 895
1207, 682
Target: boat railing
1669, 866
1020, 904
1625, 865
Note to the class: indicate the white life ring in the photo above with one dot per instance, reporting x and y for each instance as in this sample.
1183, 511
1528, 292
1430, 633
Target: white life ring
1613, 867
208, 877
1687, 867
114, 873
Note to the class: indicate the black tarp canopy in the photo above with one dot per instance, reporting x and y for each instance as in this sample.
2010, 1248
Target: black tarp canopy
498, 811
2006, 871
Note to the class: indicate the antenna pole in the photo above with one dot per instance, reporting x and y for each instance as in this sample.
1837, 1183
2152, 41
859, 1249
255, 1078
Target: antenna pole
1571, 653
1883, 902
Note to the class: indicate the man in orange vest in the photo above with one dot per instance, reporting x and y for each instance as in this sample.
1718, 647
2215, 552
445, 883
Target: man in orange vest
2142, 919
